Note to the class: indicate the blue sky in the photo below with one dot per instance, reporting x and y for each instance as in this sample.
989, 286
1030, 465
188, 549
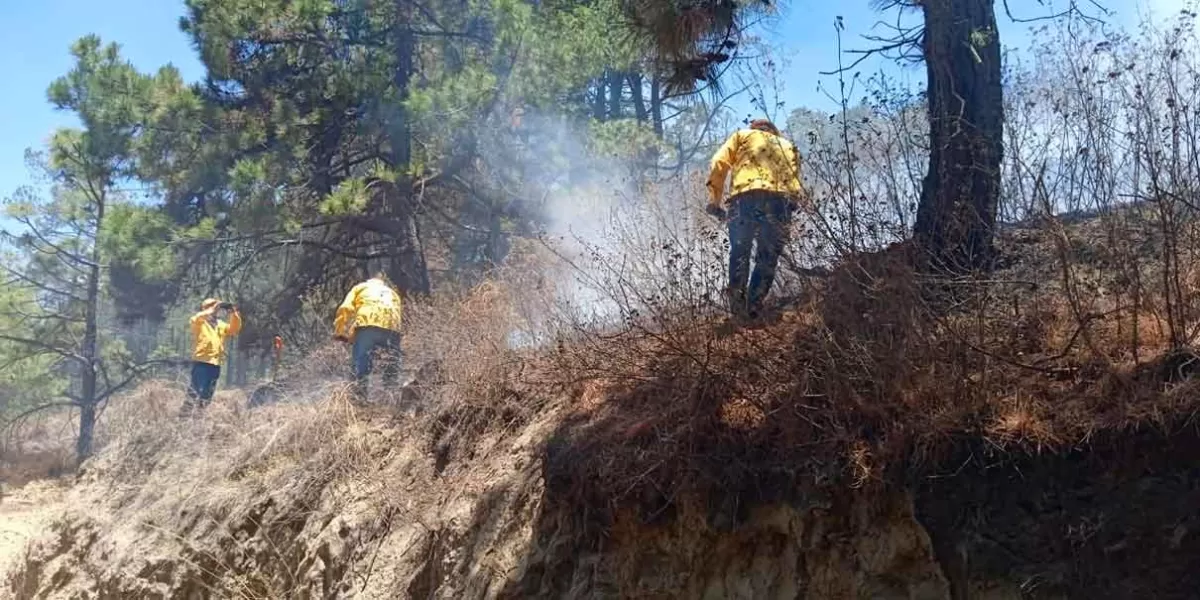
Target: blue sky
803, 35
35, 37
35, 40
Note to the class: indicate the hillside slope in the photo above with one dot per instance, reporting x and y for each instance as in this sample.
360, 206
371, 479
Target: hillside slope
314, 501
870, 443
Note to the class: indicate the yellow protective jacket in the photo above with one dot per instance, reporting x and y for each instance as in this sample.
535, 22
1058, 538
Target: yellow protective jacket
371, 303
759, 161
209, 336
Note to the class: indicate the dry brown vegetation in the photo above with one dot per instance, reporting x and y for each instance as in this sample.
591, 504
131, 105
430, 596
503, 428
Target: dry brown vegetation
640, 404
867, 382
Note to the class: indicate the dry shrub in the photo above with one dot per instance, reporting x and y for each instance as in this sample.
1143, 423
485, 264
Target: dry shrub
153, 403
148, 428
884, 374
43, 444
328, 362
191, 486
188, 487
695, 410
471, 353
1022, 420
38, 447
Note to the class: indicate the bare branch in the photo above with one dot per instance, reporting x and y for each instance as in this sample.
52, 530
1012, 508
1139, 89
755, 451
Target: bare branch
29, 413
58, 250
136, 371
1071, 10
63, 352
865, 54
37, 284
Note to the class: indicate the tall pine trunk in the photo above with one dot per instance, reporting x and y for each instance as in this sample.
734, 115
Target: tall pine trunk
89, 348
616, 87
639, 101
599, 100
957, 214
407, 267
656, 104
404, 45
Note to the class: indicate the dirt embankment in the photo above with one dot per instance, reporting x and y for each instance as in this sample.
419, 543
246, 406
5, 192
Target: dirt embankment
320, 501
24, 513
872, 443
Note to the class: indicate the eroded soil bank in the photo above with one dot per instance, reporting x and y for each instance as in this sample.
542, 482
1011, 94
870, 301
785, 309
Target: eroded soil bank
316, 502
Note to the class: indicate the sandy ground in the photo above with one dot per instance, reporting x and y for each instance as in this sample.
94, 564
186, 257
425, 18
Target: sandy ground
23, 512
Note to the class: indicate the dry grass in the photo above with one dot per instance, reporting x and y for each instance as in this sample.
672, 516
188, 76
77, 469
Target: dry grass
42, 445
882, 376
250, 503
39, 447
869, 382
191, 487
877, 375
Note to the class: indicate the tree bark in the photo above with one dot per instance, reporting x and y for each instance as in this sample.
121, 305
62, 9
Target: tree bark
656, 105
407, 267
404, 46
957, 213
616, 86
599, 98
639, 101
87, 427
89, 348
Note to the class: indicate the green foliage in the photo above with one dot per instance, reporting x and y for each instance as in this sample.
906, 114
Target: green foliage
309, 113
569, 47
624, 139
205, 230
27, 378
140, 237
350, 198
85, 243
111, 99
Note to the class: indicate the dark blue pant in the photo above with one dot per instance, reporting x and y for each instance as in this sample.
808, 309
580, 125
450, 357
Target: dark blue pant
369, 341
204, 383
758, 221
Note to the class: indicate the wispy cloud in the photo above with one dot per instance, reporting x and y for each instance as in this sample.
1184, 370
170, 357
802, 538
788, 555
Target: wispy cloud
1164, 9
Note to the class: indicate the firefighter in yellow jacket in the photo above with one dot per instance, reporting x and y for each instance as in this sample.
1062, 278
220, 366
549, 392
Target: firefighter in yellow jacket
209, 333
369, 318
763, 170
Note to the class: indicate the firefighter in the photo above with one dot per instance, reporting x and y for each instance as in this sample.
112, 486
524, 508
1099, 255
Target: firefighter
369, 319
763, 170
209, 333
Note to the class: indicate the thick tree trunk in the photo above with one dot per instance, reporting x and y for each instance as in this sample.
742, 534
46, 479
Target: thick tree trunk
264, 364
616, 87
87, 429
407, 267
957, 214
639, 101
649, 156
237, 371
599, 99
404, 46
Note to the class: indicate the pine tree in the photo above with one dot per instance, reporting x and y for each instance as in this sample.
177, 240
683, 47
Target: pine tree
62, 240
